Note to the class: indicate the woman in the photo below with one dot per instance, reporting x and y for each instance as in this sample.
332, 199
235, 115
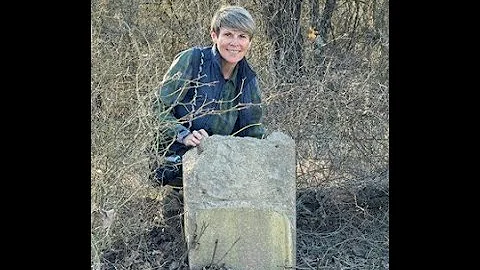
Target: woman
211, 90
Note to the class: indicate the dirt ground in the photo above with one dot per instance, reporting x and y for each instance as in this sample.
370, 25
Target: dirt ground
336, 229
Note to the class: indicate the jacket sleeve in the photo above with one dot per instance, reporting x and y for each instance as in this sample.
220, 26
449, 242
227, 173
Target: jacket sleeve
250, 118
172, 90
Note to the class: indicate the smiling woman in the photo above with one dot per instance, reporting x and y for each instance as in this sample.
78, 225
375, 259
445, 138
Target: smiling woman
210, 90
232, 29
232, 46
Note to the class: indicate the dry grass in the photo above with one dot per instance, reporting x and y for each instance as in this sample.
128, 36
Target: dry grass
337, 228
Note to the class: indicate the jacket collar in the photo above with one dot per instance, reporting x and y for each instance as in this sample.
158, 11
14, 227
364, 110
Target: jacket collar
216, 56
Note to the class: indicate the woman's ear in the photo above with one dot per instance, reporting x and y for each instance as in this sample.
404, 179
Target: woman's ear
214, 37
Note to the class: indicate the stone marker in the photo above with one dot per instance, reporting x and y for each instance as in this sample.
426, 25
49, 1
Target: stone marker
239, 201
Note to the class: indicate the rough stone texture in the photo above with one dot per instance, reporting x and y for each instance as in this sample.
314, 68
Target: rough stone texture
239, 201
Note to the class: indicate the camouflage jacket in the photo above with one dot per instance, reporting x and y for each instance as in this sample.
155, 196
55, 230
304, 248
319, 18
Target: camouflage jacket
225, 107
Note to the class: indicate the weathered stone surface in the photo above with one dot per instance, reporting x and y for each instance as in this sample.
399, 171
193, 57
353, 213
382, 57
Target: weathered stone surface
243, 238
239, 201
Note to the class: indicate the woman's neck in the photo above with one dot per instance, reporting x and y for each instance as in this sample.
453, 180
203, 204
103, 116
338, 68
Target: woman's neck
227, 69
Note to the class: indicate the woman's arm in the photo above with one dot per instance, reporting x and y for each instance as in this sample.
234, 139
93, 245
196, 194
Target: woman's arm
173, 89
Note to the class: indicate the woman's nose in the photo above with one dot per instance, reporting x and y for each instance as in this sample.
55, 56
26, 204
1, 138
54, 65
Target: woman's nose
235, 41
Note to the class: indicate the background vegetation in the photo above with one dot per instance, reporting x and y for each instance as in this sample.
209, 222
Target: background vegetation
323, 68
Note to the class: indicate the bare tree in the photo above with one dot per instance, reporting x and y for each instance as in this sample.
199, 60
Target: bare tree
283, 29
321, 23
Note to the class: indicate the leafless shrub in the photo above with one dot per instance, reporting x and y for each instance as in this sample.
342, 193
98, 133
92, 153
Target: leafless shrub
336, 109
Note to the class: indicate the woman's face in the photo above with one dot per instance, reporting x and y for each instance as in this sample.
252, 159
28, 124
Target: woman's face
232, 44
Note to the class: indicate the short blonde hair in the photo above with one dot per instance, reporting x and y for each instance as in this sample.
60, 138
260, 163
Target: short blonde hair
234, 17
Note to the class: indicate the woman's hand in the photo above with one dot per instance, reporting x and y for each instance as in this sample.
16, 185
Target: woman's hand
193, 139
